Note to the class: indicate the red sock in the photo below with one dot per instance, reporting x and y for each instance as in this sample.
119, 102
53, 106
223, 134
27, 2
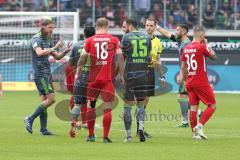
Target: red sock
91, 120
107, 120
206, 115
193, 119
71, 102
84, 113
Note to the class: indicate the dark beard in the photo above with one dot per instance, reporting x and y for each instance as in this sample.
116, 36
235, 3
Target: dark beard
45, 35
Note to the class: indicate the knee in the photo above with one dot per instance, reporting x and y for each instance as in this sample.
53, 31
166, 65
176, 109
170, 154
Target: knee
51, 99
213, 106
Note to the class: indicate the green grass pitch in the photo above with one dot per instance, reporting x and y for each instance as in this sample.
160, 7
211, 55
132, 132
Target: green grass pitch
168, 142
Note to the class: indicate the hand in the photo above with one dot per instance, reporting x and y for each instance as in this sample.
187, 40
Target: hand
69, 47
179, 79
59, 44
77, 75
162, 82
122, 81
157, 27
205, 41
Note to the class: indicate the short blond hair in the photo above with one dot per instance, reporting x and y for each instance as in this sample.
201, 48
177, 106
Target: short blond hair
198, 30
102, 22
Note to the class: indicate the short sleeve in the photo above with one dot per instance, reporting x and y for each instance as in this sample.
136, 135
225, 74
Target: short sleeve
36, 42
183, 58
87, 45
160, 47
74, 51
206, 50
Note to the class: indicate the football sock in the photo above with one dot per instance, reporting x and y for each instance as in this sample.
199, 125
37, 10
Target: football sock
91, 120
107, 120
43, 120
193, 119
38, 111
75, 112
140, 116
184, 110
136, 119
208, 112
93, 104
84, 113
127, 117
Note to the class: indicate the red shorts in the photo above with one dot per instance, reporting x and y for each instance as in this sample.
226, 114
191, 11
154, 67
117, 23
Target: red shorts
204, 94
106, 88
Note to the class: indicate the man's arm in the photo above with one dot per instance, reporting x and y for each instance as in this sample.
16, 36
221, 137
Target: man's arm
44, 52
159, 67
212, 55
183, 73
163, 31
82, 60
209, 52
120, 64
58, 55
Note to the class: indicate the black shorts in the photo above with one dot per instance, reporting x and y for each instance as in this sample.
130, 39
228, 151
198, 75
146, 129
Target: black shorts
136, 87
182, 89
80, 88
151, 82
44, 85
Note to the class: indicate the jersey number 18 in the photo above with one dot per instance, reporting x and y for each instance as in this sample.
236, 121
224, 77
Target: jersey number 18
101, 49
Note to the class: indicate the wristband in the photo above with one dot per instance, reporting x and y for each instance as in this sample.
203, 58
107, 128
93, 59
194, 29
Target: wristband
162, 78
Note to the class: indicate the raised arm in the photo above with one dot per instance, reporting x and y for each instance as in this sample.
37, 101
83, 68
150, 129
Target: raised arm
163, 31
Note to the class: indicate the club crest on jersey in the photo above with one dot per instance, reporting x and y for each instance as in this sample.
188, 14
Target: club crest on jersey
35, 44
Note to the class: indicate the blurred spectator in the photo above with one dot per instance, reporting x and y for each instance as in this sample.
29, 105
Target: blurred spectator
109, 13
142, 8
237, 21
177, 11
157, 12
52, 6
192, 17
171, 24
67, 4
119, 15
37, 5
209, 17
2, 3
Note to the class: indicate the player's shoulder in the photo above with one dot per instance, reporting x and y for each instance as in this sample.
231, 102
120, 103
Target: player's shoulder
78, 45
37, 36
112, 37
156, 39
144, 34
198, 45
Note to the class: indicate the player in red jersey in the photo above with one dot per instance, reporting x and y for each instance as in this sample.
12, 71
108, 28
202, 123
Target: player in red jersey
103, 50
70, 75
194, 70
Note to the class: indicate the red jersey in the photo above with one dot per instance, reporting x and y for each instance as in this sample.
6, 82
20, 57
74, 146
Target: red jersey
194, 54
102, 49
